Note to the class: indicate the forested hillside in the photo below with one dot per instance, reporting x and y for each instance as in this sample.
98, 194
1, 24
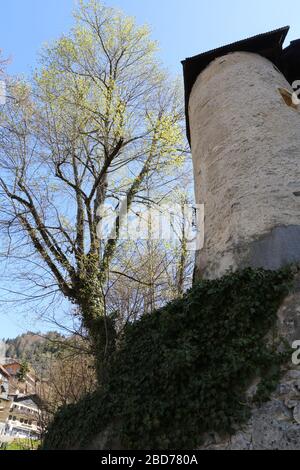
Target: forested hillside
35, 348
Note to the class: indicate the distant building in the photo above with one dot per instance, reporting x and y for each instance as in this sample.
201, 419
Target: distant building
13, 368
27, 386
20, 407
4, 382
24, 417
5, 402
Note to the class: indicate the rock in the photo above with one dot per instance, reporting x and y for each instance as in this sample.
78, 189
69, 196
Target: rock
297, 385
290, 403
296, 413
275, 425
284, 389
241, 441
293, 374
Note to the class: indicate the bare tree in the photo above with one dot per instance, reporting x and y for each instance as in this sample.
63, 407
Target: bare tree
99, 122
157, 270
69, 376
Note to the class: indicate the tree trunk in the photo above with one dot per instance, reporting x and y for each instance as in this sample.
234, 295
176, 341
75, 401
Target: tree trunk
88, 295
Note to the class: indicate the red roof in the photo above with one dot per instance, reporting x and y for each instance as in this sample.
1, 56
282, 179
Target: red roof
4, 372
12, 368
11, 363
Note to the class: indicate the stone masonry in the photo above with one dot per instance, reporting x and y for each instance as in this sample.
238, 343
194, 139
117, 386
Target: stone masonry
245, 143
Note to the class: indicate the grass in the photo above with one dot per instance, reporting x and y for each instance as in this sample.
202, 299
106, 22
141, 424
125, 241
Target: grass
21, 444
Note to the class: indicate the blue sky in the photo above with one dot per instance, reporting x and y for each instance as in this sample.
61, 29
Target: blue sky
182, 27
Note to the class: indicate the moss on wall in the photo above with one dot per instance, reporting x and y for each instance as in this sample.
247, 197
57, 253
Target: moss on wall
184, 370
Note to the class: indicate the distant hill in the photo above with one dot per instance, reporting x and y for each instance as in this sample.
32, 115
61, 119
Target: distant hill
35, 348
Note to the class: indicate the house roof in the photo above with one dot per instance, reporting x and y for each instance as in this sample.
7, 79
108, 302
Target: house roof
268, 45
12, 363
28, 400
12, 367
4, 372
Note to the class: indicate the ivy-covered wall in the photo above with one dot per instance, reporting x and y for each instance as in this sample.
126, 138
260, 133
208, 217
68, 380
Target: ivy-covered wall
184, 370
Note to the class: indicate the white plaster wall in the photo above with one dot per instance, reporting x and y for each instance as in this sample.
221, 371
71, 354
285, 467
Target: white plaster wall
246, 151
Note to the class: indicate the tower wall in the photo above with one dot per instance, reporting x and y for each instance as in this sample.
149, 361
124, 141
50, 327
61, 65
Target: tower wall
245, 140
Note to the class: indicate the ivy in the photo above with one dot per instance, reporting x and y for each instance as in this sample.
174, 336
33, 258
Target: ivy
184, 370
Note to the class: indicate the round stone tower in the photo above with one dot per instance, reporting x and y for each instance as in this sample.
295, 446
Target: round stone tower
244, 129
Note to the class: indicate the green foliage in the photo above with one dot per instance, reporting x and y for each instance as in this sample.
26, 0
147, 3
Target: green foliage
24, 369
184, 370
21, 444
